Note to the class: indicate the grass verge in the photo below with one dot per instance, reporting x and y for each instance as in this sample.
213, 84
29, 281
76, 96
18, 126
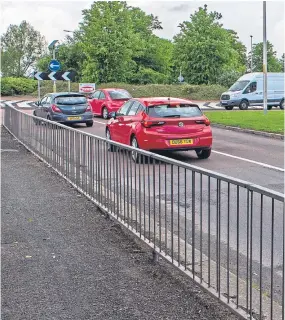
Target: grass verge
273, 121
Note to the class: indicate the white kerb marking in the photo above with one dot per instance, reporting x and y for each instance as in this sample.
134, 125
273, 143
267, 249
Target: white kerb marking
265, 165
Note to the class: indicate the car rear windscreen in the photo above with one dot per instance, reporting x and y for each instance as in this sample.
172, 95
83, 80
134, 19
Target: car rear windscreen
119, 94
70, 100
174, 111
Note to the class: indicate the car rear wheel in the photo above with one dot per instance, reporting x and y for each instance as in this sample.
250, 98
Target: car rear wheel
105, 113
89, 124
135, 155
229, 107
243, 105
110, 147
282, 104
203, 154
269, 107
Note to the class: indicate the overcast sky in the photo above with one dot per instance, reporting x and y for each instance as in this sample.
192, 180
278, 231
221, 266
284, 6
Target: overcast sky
245, 17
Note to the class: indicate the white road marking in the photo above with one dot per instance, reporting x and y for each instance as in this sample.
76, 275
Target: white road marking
265, 165
99, 122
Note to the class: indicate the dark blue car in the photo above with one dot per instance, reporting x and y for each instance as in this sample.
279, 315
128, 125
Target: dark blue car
64, 107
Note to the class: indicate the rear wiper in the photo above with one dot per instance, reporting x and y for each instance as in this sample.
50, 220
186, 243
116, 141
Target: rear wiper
172, 116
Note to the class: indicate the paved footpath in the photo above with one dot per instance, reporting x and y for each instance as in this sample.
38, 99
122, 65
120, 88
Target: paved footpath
62, 259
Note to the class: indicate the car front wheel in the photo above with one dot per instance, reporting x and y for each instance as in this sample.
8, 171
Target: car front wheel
89, 124
229, 107
203, 154
105, 113
282, 105
110, 147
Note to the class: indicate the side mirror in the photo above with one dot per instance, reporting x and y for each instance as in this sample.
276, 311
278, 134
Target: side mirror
112, 115
37, 103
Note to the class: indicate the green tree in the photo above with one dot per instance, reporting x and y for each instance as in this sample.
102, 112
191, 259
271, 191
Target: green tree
204, 49
273, 64
21, 46
69, 54
282, 62
118, 41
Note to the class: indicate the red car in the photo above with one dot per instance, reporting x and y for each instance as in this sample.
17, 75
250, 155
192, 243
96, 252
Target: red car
104, 101
155, 124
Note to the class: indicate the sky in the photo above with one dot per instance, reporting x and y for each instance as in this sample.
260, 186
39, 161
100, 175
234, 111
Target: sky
245, 17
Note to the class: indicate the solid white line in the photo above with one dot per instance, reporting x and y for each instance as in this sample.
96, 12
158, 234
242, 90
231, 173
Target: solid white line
251, 161
99, 122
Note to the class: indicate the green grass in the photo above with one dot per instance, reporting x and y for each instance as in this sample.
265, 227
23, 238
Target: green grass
273, 121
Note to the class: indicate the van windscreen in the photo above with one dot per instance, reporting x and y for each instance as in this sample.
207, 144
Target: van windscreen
239, 85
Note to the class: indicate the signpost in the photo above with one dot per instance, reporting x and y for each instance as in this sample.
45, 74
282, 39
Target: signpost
54, 66
87, 87
180, 78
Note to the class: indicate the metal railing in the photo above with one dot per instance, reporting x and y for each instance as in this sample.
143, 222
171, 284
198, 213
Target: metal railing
226, 234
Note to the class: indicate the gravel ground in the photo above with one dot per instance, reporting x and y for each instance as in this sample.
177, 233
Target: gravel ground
62, 259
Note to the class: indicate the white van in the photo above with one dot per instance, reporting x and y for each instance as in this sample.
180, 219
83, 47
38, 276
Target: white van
248, 90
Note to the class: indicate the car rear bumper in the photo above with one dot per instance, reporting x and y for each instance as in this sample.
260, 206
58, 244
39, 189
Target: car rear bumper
64, 118
200, 140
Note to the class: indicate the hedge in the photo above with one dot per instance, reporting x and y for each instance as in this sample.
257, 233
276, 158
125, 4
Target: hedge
15, 86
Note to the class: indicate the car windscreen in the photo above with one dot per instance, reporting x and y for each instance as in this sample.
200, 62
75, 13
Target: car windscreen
119, 94
239, 85
174, 111
70, 100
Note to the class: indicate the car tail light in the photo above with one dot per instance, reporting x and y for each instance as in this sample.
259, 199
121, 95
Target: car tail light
88, 108
55, 108
204, 121
148, 124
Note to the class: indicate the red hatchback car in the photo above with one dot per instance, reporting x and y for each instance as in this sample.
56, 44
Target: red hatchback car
105, 101
155, 124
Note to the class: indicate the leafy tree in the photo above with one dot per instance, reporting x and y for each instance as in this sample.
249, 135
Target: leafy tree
282, 62
69, 54
273, 64
22, 45
204, 49
118, 41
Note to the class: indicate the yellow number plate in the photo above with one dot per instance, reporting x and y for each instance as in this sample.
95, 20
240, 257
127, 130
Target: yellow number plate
73, 118
181, 142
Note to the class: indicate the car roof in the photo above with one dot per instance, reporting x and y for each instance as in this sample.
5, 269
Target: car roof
58, 94
110, 89
162, 100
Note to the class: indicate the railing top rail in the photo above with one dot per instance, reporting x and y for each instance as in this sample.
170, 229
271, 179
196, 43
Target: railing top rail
238, 182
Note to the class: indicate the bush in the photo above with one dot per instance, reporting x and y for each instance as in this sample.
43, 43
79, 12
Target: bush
227, 79
194, 92
12, 86
16, 86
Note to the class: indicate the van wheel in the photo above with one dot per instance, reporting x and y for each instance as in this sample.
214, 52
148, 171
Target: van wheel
282, 104
243, 105
229, 107
269, 107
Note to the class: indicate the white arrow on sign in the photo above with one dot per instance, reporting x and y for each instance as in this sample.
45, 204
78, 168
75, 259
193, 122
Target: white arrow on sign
65, 76
37, 76
52, 65
51, 76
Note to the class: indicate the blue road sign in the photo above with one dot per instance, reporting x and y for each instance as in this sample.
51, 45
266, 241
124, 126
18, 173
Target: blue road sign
54, 65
